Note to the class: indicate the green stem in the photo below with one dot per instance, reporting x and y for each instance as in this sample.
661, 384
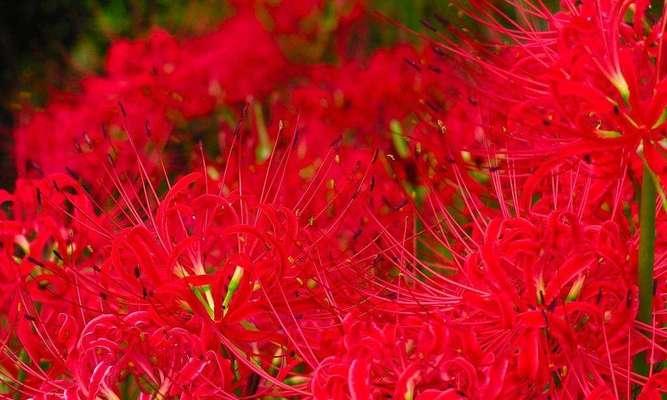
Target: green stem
646, 257
646, 246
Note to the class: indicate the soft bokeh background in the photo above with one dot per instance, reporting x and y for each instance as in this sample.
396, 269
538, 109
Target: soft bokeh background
47, 46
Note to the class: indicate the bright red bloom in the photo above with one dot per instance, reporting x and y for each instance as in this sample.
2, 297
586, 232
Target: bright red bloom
585, 82
151, 87
404, 225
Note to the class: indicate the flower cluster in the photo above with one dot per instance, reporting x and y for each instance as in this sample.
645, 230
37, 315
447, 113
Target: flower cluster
476, 217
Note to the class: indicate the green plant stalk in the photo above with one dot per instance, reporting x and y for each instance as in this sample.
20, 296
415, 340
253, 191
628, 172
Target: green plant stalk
646, 246
646, 257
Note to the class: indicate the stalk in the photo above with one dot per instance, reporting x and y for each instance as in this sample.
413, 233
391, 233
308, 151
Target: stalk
646, 257
646, 246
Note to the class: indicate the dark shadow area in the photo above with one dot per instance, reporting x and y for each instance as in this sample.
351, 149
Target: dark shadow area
35, 39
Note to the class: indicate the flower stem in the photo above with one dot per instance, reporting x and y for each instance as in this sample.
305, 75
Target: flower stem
646, 257
646, 246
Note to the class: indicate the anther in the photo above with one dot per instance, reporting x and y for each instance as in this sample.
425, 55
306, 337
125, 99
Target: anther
427, 24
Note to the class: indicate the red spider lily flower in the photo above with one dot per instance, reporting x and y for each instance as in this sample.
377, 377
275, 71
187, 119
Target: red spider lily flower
165, 360
46, 247
585, 81
414, 358
151, 86
550, 293
219, 282
366, 232
214, 264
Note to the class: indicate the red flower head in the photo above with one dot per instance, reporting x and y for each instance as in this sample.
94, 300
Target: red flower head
586, 81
